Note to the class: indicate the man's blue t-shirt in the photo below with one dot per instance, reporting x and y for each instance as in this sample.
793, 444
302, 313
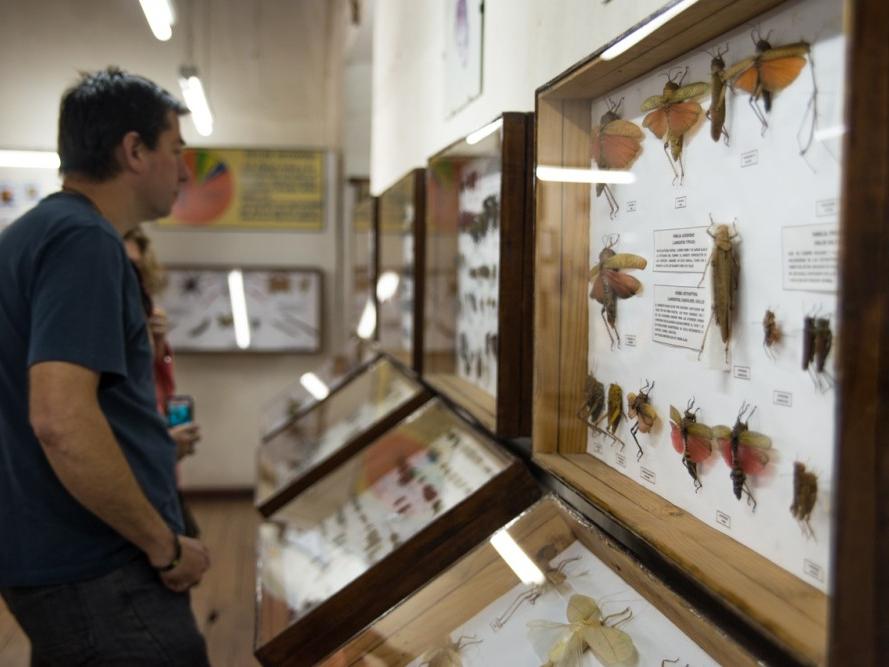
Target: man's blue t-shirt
69, 293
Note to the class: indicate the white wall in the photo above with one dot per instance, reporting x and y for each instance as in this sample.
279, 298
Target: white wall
273, 70
526, 44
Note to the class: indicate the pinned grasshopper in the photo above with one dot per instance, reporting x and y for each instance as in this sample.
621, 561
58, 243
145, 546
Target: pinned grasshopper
726, 269
639, 407
691, 439
614, 144
745, 452
609, 284
716, 112
592, 411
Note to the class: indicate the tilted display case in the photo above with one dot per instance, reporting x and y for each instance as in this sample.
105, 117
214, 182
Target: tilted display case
710, 321
478, 278
401, 212
378, 527
350, 418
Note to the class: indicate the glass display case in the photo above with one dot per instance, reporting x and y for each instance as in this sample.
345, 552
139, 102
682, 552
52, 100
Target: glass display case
376, 528
698, 221
547, 588
401, 210
477, 277
350, 418
363, 253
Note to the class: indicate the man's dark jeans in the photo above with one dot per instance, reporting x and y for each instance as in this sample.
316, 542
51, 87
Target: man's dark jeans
127, 617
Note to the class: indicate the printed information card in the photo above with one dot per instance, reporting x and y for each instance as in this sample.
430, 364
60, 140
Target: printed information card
810, 257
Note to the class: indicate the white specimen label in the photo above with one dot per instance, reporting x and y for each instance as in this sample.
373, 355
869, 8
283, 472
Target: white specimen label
683, 250
809, 255
680, 315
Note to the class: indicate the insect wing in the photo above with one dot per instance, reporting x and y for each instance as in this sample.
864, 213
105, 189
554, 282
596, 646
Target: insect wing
675, 416
676, 437
656, 121
752, 453
778, 74
698, 445
625, 260
442, 657
623, 128
582, 608
556, 643
690, 91
598, 290
611, 646
617, 152
747, 80
654, 102
723, 437
623, 284
647, 417
596, 146
631, 405
682, 117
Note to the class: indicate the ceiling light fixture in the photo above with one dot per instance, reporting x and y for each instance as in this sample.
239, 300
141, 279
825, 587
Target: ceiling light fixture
196, 100
160, 17
29, 159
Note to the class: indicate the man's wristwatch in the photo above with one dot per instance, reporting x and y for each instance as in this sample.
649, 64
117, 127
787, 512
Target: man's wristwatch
177, 557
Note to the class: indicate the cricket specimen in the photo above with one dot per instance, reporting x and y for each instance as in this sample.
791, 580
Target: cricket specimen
691, 439
610, 284
725, 270
672, 114
449, 654
805, 494
716, 112
563, 644
744, 451
771, 333
639, 407
615, 144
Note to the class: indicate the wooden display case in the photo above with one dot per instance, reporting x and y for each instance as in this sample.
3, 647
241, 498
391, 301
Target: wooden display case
401, 211
488, 608
364, 252
478, 286
375, 529
350, 418
796, 194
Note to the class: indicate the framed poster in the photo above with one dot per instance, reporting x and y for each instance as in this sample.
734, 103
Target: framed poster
251, 190
236, 309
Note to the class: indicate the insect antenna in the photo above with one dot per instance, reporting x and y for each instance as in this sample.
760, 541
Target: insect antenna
618, 618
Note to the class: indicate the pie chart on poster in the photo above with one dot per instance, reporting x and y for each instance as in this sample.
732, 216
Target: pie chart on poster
208, 192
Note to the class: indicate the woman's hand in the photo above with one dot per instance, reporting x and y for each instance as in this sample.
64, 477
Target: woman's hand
185, 436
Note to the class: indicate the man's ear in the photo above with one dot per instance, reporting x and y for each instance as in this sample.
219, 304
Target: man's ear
131, 153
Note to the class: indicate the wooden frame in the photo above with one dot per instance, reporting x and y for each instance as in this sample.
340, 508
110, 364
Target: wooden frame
506, 412
848, 626
361, 189
392, 226
397, 574
473, 582
276, 498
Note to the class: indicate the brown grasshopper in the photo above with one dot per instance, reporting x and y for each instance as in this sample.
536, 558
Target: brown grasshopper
726, 272
716, 112
610, 284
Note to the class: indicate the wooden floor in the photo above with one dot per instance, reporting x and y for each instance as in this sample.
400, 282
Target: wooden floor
223, 603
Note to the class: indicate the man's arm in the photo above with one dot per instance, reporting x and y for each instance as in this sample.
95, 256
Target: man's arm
83, 452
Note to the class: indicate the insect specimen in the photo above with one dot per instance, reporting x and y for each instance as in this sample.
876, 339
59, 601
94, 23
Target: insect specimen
672, 115
201, 327
805, 493
823, 342
593, 406
771, 333
817, 342
726, 269
639, 407
691, 439
609, 284
615, 407
716, 112
563, 644
280, 282
743, 451
554, 578
615, 144
766, 72
449, 654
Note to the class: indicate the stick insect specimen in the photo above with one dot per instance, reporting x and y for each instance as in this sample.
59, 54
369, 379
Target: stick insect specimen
449, 654
609, 284
805, 493
768, 71
563, 644
771, 333
672, 115
639, 407
554, 578
744, 451
716, 112
691, 439
817, 342
616, 143
726, 271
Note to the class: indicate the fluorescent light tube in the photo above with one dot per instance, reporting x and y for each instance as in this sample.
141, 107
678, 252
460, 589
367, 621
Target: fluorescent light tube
387, 285
160, 17
239, 308
29, 159
196, 100
517, 560
483, 132
572, 175
368, 322
313, 384
644, 31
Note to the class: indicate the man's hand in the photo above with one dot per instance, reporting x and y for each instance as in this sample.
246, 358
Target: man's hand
185, 436
194, 562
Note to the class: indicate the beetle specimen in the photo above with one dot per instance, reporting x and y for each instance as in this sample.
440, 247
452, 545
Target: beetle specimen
766, 72
771, 333
805, 493
615, 144
449, 654
609, 284
743, 451
691, 439
672, 115
639, 407
716, 112
563, 644
726, 271
615, 407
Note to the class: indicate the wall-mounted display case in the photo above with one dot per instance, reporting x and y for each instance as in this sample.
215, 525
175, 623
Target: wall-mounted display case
350, 418
401, 210
700, 350
377, 528
478, 282
512, 601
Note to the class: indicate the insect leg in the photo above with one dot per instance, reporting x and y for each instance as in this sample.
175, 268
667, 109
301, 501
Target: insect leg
633, 431
670, 160
750, 499
760, 116
706, 331
612, 202
607, 326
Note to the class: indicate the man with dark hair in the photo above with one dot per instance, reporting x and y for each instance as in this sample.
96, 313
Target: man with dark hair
92, 563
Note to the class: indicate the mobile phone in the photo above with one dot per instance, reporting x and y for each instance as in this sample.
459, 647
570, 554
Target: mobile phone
180, 410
